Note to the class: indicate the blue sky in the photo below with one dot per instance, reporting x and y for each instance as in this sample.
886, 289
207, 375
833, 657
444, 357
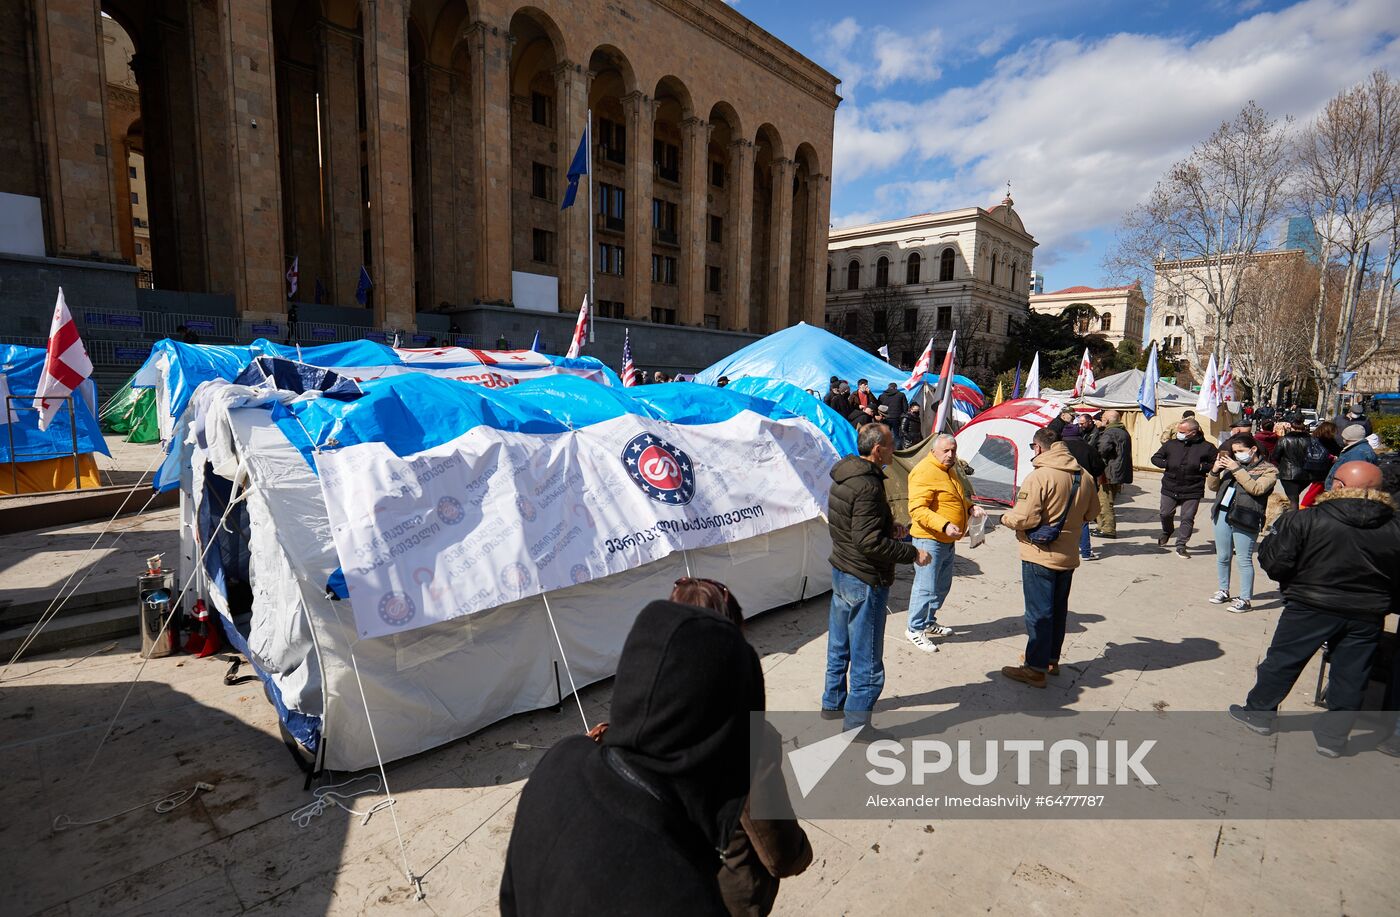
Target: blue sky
1081, 104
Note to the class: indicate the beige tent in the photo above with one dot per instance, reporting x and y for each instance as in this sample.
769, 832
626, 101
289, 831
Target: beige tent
1120, 392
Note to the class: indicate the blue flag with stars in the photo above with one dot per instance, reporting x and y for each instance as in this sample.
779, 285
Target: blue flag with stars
577, 169
362, 288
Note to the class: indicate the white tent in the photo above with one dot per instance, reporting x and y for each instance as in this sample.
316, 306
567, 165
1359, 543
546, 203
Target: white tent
446, 621
996, 443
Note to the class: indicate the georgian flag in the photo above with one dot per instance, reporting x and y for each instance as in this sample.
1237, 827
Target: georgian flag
1208, 402
293, 273
66, 367
629, 371
945, 385
1084, 382
580, 330
921, 367
1227, 381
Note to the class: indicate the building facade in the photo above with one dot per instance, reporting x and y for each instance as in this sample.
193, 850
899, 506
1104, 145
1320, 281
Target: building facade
1120, 313
428, 142
900, 282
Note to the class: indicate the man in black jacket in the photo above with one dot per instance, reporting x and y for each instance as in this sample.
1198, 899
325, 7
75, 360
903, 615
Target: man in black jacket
1072, 435
895, 400
1185, 459
1290, 455
1115, 445
864, 552
1338, 565
636, 825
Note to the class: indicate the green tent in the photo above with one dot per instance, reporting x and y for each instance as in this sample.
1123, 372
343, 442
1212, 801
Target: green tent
132, 411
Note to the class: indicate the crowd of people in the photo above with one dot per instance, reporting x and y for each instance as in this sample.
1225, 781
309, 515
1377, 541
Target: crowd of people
652, 809
891, 408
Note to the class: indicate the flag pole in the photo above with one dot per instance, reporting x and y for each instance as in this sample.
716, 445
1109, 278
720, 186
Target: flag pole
588, 143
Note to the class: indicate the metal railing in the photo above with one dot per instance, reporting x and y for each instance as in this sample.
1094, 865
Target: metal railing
26, 403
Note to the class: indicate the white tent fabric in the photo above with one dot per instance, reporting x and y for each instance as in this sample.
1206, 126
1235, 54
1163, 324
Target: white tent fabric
997, 446
427, 686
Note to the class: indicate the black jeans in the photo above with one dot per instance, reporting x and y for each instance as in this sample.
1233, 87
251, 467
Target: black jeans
1294, 490
1301, 632
1188, 517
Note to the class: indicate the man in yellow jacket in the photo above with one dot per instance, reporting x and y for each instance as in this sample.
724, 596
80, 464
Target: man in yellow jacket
940, 503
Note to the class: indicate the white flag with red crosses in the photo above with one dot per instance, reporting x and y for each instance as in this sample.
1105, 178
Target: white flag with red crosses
66, 367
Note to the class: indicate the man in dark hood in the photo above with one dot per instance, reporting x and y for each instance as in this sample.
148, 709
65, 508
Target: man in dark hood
638, 824
1338, 565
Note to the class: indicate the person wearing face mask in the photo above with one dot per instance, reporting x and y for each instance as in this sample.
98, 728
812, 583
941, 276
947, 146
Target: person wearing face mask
1184, 461
1242, 482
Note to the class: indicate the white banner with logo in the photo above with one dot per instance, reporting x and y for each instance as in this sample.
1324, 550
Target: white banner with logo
495, 515
487, 368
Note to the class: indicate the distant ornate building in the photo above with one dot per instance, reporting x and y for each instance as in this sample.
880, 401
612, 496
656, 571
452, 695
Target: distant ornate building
1121, 312
901, 281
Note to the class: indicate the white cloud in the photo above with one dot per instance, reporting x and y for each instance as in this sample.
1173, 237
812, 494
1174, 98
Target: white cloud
1084, 128
905, 57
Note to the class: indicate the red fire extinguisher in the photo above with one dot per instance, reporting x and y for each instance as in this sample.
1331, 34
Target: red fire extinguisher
204, 633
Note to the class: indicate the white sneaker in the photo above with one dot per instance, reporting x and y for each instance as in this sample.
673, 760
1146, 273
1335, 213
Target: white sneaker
919, 640
1240, 606
937, 630
1220, 597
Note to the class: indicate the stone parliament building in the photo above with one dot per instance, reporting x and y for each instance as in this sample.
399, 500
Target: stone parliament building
428, 142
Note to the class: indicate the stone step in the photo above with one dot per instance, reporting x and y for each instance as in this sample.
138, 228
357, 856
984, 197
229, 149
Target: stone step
69, 631
17, 614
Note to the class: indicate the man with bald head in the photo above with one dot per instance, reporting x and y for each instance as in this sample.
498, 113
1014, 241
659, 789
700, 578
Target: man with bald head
1338, 565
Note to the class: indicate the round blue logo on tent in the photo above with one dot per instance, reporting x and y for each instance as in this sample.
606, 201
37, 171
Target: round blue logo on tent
661, 470
525, 508
450, 511
578, 573
396, 609
516, 577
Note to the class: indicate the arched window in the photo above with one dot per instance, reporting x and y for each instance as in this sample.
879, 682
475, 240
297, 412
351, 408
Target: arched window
945, 265
882, 272
828, 276
1014, 266
853, 275
911, 271
1106, 322
994, 270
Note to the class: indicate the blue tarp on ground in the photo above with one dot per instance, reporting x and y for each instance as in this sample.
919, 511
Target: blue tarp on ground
808, 357
22, 367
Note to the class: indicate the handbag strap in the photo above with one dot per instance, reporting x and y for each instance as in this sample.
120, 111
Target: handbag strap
1073, 492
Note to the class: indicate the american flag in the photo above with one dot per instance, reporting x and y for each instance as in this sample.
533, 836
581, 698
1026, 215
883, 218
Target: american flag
629, 371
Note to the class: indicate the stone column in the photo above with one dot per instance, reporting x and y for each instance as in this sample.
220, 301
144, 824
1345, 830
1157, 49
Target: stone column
213, 148
640, 113
571, 83
490, 61
818, 211
437, 204
780, 246
695, 159
301, 182
340, 161
385, 27
72, 105
739, 242
256, 249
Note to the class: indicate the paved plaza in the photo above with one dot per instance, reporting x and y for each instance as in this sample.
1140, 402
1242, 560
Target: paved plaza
1141, 638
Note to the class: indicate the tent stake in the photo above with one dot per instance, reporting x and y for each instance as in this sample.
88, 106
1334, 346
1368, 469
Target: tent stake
558, 690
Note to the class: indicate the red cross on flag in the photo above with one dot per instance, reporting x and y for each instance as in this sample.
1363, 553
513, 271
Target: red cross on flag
1084, 382
580, 331
65, 368
921, 367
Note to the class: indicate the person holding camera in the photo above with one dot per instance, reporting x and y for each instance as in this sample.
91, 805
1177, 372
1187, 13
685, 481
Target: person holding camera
1242, 482
1052, 505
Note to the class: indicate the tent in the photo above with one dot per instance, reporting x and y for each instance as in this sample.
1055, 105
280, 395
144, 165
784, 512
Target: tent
837, 428
434, 556
131, 412
34, 461
996, 444
808, 357
1120, 392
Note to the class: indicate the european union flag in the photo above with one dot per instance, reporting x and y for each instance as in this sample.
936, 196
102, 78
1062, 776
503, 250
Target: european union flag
362, 289
577, 169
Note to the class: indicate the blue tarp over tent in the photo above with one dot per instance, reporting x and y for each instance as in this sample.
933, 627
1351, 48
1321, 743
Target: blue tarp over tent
837, 428
22, 367
808, 357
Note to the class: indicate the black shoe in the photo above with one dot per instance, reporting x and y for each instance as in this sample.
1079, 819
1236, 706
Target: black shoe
1390, 746
1181, 551
1163, 539
1260, 721
1100, 534
832, 714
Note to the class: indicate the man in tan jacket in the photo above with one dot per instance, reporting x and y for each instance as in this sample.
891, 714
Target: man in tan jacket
1057, 492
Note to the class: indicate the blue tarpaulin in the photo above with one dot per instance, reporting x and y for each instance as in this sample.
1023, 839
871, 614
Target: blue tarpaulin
22, 367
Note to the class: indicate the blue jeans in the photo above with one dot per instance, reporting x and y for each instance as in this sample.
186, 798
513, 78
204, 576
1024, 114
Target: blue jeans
855, 641
1228, 540
1047, 610
931, 584
1084, 546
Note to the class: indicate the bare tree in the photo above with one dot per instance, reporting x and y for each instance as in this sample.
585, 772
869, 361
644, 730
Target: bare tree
1203, 220
890, 316
1268, 340
1350, 170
